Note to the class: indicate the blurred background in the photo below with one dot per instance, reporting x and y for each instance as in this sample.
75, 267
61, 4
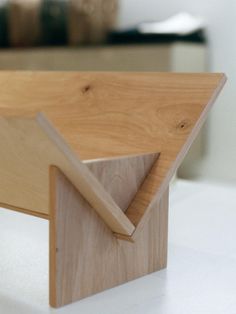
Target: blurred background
136, 35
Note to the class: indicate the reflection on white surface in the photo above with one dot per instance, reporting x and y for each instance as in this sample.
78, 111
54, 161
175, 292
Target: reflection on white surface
200, 278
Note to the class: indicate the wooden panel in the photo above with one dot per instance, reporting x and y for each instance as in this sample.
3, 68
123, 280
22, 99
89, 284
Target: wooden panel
25, 160
101, 115
122, 177
85, 257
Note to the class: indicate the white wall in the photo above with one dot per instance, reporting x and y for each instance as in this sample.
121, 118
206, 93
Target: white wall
220, 159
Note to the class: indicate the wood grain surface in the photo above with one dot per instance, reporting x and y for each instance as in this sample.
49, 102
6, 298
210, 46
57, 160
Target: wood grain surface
85, 257
73, 128
123, 177
102, 115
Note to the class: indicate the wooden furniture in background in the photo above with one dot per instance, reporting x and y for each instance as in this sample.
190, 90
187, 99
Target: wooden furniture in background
110, 143
50, 22
173, 57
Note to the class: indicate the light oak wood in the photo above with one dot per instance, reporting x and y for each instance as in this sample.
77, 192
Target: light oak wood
123, 177
96, 197
85, 257
104, 115
27, 144
44, 147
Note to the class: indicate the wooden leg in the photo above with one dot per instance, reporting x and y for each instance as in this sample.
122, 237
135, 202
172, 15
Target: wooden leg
86, 257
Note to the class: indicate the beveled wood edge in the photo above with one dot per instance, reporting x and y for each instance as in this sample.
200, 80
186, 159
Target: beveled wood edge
25, 211
53, 170
88, 161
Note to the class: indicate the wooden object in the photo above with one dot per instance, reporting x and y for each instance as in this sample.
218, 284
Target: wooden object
39, 143
163, 57
85, 256
114, 141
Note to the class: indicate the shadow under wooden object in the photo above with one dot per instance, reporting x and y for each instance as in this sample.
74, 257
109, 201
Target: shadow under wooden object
110, 143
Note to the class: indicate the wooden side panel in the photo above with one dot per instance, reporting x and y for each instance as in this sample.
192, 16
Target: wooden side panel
86, 257
25, 160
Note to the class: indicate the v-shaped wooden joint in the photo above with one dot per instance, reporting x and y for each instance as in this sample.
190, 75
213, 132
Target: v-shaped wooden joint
129, 181
110, 186
113, 187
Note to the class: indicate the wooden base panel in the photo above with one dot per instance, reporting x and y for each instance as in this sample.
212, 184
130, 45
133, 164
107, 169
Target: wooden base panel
86, 257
